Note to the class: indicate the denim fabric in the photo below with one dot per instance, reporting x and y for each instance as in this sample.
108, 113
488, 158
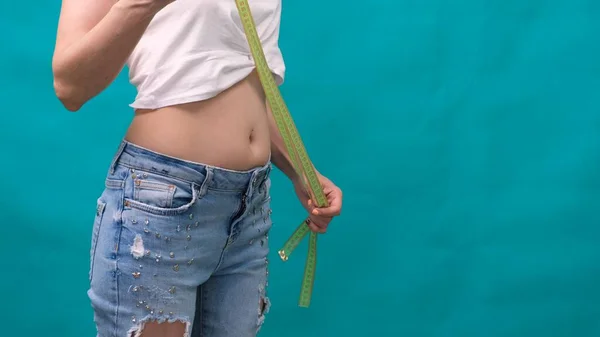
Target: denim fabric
180, 241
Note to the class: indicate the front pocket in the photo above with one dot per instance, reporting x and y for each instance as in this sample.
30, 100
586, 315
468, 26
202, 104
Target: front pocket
154, 193
100, 208
159, 194
162, 211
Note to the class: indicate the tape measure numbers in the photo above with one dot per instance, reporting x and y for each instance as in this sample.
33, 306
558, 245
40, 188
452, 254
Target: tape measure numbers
295, 148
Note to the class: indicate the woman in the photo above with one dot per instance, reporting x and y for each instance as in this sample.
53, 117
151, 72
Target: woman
180, 242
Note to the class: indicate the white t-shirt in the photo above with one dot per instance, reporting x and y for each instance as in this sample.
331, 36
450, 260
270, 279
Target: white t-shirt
195, 49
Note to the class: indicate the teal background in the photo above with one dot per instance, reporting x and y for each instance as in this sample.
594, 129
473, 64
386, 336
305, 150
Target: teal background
465, 136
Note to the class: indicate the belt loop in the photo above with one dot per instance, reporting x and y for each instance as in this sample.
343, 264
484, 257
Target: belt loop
113, 165
206, 182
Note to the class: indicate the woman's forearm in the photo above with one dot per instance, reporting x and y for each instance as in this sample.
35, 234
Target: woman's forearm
87, 66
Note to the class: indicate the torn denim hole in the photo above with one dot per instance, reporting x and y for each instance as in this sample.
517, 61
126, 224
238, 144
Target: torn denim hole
263, 309
137, 248
137, 330
265, 302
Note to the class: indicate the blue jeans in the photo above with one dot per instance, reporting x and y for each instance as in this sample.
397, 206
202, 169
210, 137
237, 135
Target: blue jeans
176, 241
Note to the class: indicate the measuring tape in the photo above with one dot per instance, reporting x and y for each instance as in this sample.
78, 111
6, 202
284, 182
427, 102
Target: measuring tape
293, 143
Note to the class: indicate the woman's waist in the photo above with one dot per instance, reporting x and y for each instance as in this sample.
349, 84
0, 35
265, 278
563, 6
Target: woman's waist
230, 130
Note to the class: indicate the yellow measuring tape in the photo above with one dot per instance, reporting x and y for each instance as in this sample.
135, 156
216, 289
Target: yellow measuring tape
295, 148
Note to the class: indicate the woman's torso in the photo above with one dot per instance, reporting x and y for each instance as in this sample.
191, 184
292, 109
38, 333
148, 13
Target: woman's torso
199, 98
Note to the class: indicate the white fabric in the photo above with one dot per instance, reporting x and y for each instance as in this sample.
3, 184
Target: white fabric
195, 49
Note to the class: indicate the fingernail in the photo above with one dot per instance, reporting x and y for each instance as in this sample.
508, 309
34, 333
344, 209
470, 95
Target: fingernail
315, 212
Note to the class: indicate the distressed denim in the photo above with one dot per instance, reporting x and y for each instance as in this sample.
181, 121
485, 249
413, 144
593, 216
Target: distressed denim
176, 241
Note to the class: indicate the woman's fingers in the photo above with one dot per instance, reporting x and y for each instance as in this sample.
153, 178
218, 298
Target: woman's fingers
318, 224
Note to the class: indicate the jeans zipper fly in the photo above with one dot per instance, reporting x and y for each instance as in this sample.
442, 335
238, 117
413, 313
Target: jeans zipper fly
242, 207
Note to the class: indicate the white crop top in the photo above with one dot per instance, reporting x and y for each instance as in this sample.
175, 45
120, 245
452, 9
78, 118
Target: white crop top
195, 49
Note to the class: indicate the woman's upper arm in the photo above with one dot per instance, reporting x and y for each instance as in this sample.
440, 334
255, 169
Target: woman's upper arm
77, 18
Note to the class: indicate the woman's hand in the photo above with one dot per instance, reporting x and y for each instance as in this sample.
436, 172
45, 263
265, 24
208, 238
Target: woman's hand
320, 217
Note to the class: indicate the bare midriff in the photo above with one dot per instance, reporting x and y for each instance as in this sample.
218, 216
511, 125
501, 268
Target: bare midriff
230, 130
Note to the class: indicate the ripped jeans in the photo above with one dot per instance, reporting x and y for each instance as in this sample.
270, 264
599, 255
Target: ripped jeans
175, 241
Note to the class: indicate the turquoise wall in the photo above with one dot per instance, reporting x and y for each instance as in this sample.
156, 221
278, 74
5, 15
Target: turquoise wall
465, 136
